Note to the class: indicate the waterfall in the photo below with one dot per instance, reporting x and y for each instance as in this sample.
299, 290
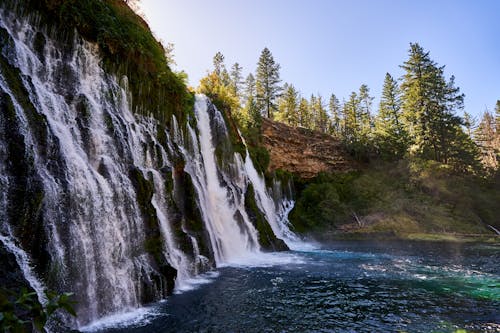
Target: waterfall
111, 207
220, 205
23, 260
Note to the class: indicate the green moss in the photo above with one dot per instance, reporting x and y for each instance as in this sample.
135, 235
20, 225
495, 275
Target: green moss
267, 239
193, 219
161, 136
169, 189
108, 121
144, 189
39, 44
127, 47
189, 106
190, 218
83, 108
26, 197
283, 176
236, 144
260, 157
154, 245
12, 75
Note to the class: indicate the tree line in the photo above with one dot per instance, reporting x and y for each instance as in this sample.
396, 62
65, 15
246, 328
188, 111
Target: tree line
416, 116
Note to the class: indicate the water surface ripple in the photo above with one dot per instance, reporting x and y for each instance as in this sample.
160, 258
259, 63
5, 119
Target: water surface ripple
346, 287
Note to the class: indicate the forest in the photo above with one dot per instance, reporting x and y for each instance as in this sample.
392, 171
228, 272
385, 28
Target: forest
420, 114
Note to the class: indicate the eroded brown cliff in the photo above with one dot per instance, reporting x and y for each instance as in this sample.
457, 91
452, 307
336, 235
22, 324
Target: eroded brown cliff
304, 152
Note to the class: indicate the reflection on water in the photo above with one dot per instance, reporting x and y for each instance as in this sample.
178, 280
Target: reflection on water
345, 287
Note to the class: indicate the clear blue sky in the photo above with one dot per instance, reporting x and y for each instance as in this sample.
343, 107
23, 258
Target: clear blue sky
330, 46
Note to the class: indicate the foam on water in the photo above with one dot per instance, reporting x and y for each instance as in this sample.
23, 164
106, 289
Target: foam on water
303, 246
135, 317
197, 281
266, 259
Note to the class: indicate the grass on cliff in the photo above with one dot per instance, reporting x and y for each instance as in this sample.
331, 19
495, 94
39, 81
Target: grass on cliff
398, 199
127, 47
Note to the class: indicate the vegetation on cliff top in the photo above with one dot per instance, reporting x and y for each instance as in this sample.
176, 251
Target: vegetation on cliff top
127, 47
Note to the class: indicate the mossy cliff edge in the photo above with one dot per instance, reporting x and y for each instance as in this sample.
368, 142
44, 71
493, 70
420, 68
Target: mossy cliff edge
126, 44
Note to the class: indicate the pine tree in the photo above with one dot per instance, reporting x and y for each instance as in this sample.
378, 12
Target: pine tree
250, 87
351, 124
335, 116
497, 117
218, 62
288, 105
216, 85
391, 136
304, 114
236, 79
429, 104
267, 83
470, 124
497, 132
364, 115
253, 112
485, 136
319, 113
312, 112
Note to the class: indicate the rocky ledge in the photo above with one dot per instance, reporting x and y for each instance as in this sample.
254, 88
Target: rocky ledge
304, 152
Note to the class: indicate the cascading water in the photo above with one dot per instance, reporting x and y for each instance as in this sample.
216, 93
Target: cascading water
102, 193
220, 205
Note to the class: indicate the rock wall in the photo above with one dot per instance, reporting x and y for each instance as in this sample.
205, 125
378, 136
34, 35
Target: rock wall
304, 152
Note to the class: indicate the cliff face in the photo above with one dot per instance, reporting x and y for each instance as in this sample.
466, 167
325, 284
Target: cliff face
115, 201
304, 152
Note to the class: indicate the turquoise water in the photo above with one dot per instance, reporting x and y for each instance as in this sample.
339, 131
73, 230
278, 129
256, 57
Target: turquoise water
342, 287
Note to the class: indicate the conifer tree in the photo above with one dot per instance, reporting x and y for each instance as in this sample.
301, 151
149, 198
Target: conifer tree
319, 113
253, 112
216, 86
236, 79
218, 62
429, 104
304, 114
351, 125
470, 124
335, 116
391, 136
288, 106
267, 83
250, 87
485, 136
312, 112
497, 131
364, 114
497, 117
